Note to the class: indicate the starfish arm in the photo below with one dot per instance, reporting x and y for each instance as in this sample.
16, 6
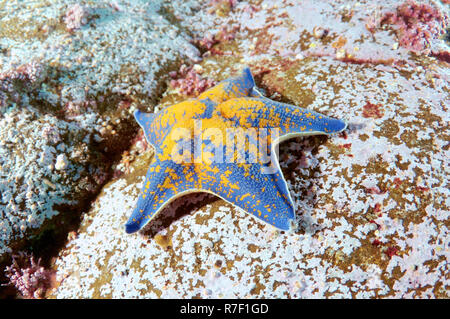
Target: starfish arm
145, 120
260, 191
232, 88
158, 126
290, 119
163, 183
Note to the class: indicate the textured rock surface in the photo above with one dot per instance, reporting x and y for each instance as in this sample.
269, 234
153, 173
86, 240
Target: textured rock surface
93, 49
38, 179
372, 204
366, 204
68, 75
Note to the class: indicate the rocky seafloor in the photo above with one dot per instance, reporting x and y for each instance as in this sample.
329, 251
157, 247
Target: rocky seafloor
372, 203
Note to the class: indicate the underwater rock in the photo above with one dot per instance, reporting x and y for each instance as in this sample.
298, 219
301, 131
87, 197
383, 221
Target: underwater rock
370, 202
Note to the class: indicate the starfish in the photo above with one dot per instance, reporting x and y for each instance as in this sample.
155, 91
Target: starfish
224, 142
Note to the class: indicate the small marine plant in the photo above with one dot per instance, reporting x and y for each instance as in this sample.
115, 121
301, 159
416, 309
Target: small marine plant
28, 276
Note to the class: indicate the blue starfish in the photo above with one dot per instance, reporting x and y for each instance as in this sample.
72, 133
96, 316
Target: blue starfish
223, 143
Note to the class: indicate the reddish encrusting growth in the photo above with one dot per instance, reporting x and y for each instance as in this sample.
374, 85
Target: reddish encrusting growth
375, 190
398, 182
124, 105
225, 34
76, 16
24, 78
189, 82
140, 138
377, 243
207, 42
415, 24
251, 8
99, 176
29, 277
374, 222
391, 251
422, 189
442, 56
222, 4
372, 110
377, 209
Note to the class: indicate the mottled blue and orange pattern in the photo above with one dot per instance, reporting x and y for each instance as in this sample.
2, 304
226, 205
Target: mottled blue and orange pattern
223, 143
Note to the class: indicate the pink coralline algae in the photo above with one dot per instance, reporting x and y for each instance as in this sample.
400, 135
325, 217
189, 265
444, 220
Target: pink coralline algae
28, 276
208, 40
229, 4
51, 134
100, 176
21, 79
375, 190
442, 55
391, 251
372, 110
415, 24
76, 16
189, 82
225, 34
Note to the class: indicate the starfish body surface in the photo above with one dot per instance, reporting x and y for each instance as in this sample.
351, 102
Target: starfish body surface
223, 142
